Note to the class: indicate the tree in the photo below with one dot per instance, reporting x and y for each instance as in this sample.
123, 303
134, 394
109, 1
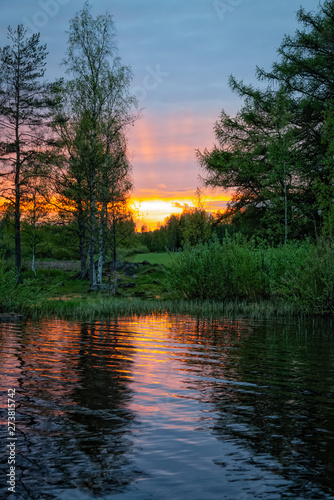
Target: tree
23, 107
91, 42
71, 179
114, 176
100, 106
276, 153
306, 70
261, 157
115, 216
173, 232
195, 223
35, 212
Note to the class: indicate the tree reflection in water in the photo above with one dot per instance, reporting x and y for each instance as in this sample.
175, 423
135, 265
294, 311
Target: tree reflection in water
171, 407
73, 421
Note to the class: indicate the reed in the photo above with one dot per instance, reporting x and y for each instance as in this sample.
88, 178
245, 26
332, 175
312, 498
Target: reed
90, 309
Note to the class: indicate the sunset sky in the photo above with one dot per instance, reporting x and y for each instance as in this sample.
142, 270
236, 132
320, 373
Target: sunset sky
182, 53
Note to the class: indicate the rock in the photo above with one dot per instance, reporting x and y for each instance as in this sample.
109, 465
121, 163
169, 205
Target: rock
97, 288
128, 268
11, 317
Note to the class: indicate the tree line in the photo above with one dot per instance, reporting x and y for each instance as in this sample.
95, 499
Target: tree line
63, 147
193, 226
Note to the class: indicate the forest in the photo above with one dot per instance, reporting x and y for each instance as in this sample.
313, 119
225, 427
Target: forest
65, 178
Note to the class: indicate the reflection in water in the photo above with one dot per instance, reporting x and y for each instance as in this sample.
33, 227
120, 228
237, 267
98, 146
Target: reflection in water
73, 421
170, 408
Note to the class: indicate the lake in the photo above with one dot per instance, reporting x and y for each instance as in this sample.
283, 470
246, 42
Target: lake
164, 408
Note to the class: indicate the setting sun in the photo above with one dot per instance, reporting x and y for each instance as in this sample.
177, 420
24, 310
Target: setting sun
152, 211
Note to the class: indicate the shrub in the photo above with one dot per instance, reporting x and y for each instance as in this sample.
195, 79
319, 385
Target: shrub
215, 271
13, 297
311, 286
234, 269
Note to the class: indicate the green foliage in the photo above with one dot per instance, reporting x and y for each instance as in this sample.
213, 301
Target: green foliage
215, 271
191, 227
276, 154
311, 286
105, 308
51, 238
13, 297
8, 288
195, 226
233, 269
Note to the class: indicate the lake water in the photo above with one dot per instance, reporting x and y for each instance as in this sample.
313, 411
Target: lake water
164, 408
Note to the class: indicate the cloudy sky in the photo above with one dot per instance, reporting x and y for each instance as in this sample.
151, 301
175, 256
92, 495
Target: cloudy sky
182, 53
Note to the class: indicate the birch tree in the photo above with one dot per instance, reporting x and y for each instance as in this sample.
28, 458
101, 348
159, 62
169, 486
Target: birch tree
101, 101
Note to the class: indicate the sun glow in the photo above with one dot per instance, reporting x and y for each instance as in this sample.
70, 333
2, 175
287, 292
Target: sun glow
152, 211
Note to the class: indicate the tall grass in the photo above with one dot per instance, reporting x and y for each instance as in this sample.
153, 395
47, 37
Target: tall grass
297, 274
91, 309
311, 286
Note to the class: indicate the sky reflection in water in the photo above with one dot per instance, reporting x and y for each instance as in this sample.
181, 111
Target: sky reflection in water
167, 408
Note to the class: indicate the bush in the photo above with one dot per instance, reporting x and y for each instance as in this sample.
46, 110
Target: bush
234, 269
311, 286
13, 297
8, 288
216, 271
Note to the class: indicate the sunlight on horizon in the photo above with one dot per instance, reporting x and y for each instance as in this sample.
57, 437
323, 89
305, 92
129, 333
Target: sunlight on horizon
151, 211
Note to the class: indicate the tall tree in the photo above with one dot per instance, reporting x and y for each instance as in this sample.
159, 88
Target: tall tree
115, 183
91, 43
272, 156
196, 222
23, 105
261, 158
100, 99
305, 67
113, 199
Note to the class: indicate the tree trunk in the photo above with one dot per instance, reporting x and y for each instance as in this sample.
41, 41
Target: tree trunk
82, 243
33, 260
114, 257
92, 274
285, 199
17, 210
101, 245
18, 234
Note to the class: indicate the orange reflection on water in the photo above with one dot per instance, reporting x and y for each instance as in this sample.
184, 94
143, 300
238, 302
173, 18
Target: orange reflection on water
161, 360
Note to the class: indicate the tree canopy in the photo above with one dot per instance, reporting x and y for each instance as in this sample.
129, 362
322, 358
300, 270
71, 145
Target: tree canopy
276, 153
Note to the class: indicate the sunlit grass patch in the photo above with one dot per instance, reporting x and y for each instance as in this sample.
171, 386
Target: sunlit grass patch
151, 257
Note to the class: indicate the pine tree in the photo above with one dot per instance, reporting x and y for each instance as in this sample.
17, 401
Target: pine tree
23, 106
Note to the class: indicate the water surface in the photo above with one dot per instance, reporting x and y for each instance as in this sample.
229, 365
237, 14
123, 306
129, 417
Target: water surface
163, 407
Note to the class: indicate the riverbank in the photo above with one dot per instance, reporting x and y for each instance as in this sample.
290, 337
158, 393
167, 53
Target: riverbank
102, 308
232, 278
55, 292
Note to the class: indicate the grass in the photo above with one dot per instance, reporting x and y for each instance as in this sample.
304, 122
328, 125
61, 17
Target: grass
60, 284
103, 308
64, 296
151, 257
